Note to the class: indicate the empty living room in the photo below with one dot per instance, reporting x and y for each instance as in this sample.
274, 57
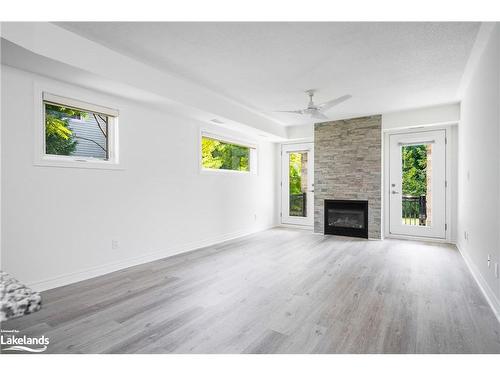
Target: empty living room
249, 186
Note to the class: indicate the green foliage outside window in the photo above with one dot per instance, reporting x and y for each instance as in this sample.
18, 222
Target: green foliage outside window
221, 155
295, 173
58, 136
414, 170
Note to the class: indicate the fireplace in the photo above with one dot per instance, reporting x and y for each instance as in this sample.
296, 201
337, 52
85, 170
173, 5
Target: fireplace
346, 218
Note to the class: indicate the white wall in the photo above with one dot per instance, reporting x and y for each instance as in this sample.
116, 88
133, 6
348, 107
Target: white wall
58, 223
479, 171
303, 133
443, 114
436, 115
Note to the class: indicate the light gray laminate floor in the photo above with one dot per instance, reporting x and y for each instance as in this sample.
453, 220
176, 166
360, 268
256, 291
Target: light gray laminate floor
279, 291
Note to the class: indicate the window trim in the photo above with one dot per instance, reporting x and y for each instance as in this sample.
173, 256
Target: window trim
253, 155
74, 99
78, 104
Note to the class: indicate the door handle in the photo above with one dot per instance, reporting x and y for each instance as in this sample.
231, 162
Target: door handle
394, 192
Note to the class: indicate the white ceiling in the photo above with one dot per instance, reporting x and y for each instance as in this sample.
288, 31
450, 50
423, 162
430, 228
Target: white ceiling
266, 66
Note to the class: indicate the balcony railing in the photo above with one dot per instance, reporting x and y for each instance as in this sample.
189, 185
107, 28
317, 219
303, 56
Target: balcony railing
414, 210
298, 204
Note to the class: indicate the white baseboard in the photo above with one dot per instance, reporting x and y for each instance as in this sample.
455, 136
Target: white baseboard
483, 285
100, 270
297, 226
417, 238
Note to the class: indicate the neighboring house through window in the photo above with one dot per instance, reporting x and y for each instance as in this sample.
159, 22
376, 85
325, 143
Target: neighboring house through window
76, 131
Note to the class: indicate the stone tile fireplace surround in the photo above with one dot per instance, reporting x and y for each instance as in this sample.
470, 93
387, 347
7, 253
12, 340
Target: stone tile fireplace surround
348, 166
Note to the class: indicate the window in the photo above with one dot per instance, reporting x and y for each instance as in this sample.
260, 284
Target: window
76, 132
222, 155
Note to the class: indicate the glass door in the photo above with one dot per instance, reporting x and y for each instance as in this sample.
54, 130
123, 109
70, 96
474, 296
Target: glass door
297, 184
418, 184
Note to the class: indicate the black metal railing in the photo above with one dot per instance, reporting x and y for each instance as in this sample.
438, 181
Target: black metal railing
298, 204
414, 210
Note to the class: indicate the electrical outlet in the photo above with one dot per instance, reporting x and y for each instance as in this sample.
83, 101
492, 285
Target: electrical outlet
466, 235
114, 244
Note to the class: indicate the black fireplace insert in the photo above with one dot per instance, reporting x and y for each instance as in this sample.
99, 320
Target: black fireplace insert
346, 218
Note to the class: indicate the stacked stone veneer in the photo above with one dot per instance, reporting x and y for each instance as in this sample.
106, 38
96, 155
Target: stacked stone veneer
348, 165
304, 180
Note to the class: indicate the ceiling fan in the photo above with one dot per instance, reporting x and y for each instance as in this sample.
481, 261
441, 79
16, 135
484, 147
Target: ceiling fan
317, 111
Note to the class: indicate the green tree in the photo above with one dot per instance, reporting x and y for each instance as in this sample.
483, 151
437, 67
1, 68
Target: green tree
220, 155
414, 159
295, 173
208, 147
59, 138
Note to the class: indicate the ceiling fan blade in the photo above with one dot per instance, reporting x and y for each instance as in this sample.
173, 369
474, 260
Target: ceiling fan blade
318, 115
327, 105
297, 112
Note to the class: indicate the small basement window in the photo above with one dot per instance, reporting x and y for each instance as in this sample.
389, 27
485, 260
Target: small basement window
76, 131
218, 154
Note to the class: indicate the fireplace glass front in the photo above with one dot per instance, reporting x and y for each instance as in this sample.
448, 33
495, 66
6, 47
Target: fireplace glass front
346, 218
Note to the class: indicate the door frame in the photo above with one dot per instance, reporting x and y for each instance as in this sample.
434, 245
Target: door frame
438, 203
451, 179
306, 145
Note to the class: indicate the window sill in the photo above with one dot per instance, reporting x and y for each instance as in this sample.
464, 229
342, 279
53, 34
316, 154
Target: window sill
226, 171
77, 163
